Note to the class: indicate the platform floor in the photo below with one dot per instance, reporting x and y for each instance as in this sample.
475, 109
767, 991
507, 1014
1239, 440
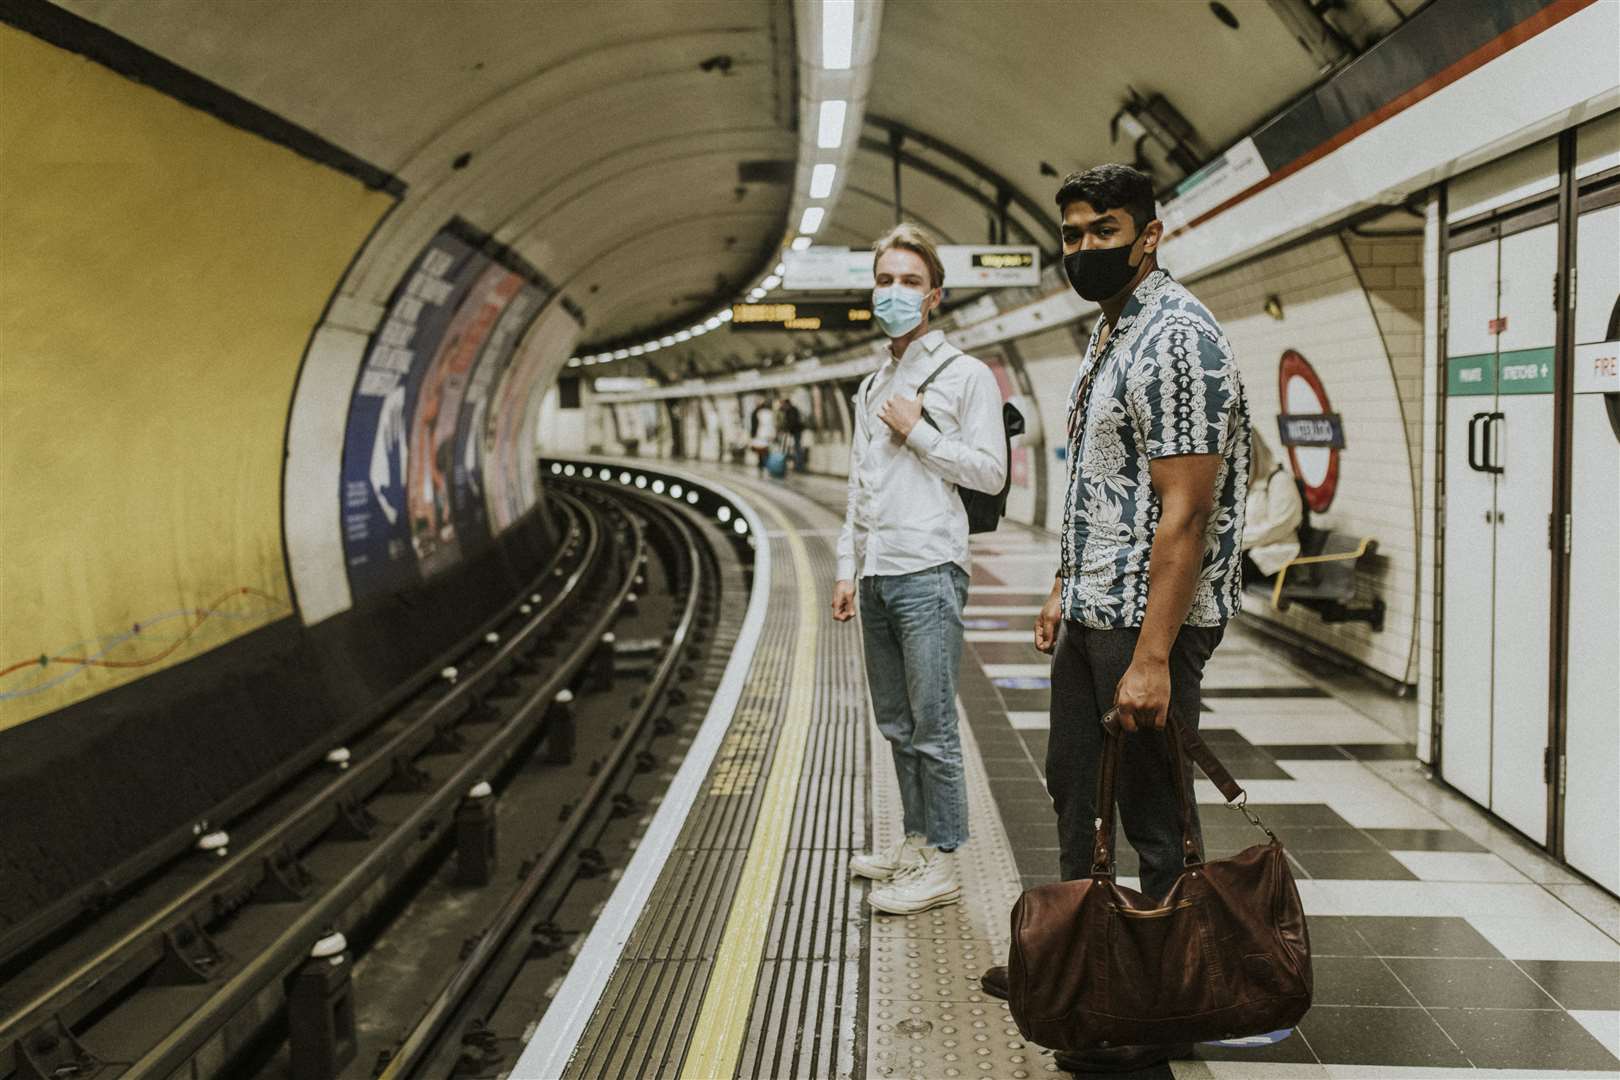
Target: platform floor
1443, 944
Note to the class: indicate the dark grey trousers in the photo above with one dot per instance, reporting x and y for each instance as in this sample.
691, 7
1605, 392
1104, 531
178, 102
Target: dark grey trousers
1086, 668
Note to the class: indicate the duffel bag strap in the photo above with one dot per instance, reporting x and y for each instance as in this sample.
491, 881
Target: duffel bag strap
1181, 739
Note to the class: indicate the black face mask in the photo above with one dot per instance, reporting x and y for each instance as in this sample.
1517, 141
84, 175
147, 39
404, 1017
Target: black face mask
1101, 272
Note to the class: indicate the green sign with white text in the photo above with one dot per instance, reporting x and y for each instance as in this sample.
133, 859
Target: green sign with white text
1526, 371
1523, 371
1468, 376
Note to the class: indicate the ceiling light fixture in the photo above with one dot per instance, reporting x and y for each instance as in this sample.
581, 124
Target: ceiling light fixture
821, 180
831, 130
837, 34
834, 92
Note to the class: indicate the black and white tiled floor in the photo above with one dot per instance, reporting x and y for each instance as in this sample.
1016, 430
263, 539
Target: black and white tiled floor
1443, 944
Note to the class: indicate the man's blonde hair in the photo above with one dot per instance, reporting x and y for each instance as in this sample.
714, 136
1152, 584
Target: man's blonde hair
913, 238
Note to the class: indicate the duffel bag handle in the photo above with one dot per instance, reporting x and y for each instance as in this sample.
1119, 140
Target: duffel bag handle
1179, 738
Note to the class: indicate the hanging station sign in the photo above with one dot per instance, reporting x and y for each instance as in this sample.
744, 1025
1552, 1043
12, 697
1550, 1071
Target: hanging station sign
746, 318
991, 265
967, 266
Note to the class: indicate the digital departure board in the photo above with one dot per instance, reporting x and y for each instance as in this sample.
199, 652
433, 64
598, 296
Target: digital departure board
796, 316
1003, 260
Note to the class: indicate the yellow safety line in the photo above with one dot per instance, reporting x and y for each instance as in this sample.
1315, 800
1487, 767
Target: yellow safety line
717, 1040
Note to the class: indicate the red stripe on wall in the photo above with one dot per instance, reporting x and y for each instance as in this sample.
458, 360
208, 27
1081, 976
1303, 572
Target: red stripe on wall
1546, 18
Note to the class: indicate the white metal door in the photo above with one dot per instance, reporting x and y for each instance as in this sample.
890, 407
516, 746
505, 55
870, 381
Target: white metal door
1468, 582
1521, 447
1592, 732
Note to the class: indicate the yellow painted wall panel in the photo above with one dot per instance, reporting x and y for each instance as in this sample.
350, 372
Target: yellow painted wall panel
160, 274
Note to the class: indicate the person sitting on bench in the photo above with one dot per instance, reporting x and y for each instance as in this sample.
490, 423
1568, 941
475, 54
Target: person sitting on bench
1271, 515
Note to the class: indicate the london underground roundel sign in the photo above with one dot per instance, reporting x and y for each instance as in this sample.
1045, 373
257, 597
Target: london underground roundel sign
1309, 428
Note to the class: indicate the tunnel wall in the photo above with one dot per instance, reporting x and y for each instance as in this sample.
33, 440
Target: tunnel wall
163, 270
178, 268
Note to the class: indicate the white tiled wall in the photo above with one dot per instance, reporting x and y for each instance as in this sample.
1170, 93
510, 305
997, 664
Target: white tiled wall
1333, 322
1051, 359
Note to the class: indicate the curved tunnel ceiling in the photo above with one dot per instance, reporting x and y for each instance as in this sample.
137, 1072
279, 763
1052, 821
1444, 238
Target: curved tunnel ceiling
590, 128
604, 141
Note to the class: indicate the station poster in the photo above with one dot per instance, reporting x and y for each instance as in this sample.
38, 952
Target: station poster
468, 506
435, 412
511, 476
377, 440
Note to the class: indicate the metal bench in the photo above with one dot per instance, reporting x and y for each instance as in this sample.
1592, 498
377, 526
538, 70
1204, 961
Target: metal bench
1324, 575
1323, 578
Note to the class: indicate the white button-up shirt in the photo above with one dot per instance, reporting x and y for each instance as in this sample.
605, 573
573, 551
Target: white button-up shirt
904, 513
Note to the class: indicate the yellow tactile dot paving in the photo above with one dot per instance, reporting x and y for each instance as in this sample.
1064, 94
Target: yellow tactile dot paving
927, 1017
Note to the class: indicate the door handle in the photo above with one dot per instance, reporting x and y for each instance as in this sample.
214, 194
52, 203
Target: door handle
1473, 426
1492, 446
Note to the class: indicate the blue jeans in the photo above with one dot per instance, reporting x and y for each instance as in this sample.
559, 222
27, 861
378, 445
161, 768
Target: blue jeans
911, 627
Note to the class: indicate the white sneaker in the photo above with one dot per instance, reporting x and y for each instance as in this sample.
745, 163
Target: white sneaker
930, 883
884, 864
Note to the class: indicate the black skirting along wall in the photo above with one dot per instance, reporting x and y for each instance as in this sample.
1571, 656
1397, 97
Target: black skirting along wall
92, 785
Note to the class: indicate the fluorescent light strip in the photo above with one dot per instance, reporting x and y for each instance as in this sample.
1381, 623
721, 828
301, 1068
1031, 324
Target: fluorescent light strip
831, 131
812, 219
821, 180
837, 34
801, 242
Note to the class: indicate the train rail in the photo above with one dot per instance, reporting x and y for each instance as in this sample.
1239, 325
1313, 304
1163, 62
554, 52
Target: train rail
194, 979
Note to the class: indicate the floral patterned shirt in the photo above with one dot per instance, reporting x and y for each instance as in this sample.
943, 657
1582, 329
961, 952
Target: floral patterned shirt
1165, 385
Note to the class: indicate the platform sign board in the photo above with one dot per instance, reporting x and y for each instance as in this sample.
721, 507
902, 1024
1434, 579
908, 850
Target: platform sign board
1311, 429
833, 269
990, 265
377, 439
827, 269
1223, 179
746, 318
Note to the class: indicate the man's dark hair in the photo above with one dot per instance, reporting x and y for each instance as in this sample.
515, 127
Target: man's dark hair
1111, 187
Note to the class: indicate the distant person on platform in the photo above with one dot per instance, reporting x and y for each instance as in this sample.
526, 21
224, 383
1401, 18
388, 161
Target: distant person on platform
793, 428
905, 540
1149, 571
1272, 515
761, 431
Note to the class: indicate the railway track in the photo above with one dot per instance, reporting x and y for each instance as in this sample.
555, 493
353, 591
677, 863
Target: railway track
334, 862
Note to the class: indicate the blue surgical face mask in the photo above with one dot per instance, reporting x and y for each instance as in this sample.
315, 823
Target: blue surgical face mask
897, 309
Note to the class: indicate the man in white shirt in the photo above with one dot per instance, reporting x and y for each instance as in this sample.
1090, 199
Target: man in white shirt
905, 538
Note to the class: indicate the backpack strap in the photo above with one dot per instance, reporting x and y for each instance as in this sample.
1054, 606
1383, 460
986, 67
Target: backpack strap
860, 398
923, 386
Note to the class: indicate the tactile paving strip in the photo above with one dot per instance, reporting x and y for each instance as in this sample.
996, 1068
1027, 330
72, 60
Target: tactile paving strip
927, 1018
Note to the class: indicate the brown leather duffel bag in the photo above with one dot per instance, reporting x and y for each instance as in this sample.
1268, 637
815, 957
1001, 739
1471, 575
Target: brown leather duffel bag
1224, 954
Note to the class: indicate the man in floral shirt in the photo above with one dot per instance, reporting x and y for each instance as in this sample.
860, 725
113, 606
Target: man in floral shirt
1158, 444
